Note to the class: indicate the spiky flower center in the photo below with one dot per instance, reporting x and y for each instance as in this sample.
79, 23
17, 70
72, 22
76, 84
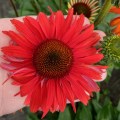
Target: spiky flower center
111, 48
52, 59
82, 8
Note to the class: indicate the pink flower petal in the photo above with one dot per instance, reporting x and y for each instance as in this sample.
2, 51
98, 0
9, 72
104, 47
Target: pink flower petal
103, 76
101, 34
86, 22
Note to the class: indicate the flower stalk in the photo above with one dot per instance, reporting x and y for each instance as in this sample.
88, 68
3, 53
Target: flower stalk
34, 4
104, 11
60, 4
14, 8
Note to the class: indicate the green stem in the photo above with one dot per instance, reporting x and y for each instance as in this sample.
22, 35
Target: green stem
14, 7
60, 4
34, 4
104, 11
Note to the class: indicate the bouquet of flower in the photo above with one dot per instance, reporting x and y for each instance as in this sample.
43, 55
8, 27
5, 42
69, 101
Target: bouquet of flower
54, 55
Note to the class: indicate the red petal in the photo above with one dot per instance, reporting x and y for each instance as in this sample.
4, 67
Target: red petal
22, 79
67, 22
101, 67
44, 94
89, 72
60, 97
50, 96
28, 98
28, 87
16, 51
44, 24
80, 23
23, 75
88, 85
92, 83
36, 98
34, 27
23, 64
59, 23
91, 59
68, 92
7, 67
24, 30
75, 29
19, 39
89, 42
82, 36
83, 52
52, 26
54, 106
79, 91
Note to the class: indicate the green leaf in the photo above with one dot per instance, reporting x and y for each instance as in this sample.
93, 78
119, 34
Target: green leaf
96, 106
119, 117
68, 114
83, 113
32, 7
106, 112
32, 116
116, 2
51, 116
115, 114
118, 107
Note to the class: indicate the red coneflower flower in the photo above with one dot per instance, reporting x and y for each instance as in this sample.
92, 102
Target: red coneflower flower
52, 60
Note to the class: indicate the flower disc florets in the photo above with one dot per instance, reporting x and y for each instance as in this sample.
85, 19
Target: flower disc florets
52, 59
82, 8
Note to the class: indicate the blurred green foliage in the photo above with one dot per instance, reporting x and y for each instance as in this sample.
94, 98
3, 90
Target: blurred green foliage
33, 7
93, 111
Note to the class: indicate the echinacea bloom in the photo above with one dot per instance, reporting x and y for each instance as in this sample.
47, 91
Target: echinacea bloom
52, 60
88, 7
116, 21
